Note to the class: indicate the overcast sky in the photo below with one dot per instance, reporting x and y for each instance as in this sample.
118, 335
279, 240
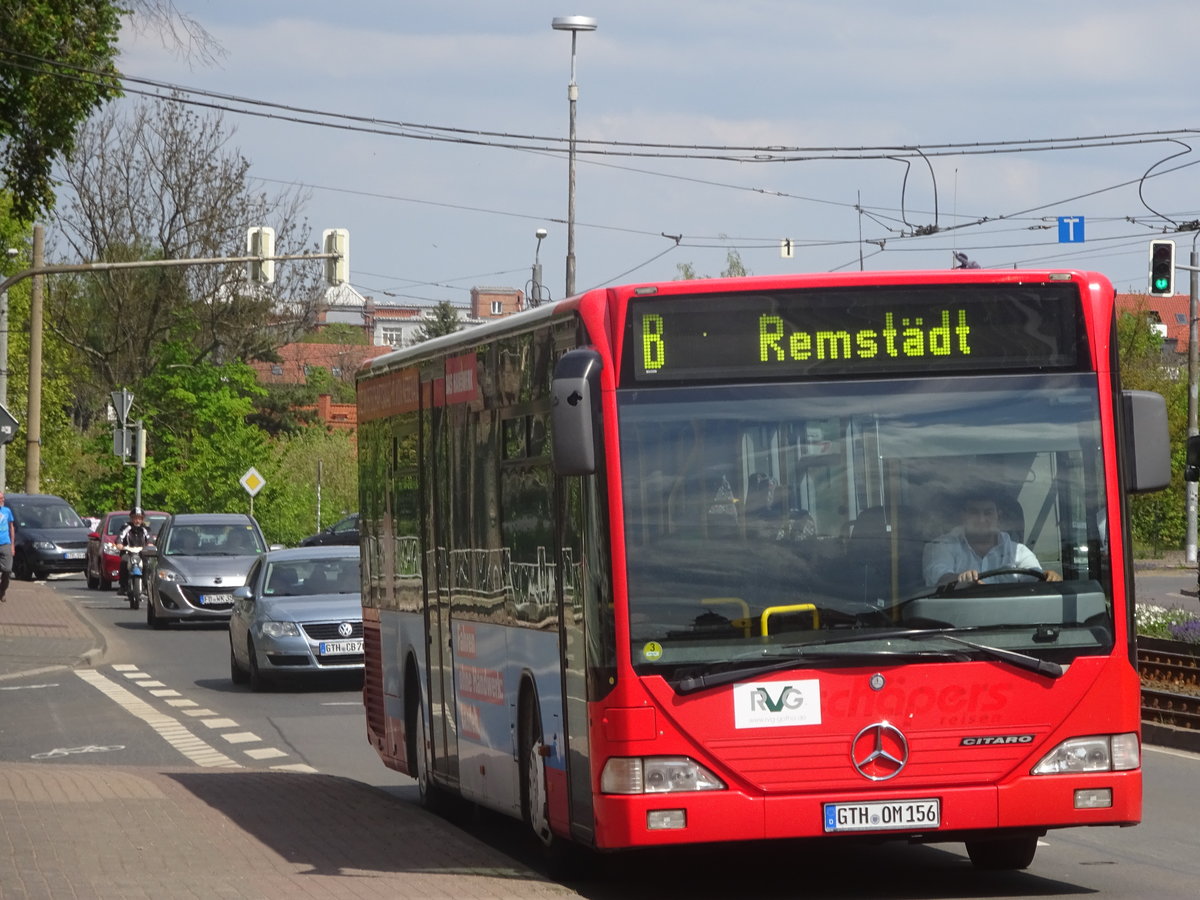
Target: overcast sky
429, 219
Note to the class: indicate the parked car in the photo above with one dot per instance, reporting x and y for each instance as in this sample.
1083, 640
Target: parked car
50, 536
198, 561
299, 613
103, 561
343, 531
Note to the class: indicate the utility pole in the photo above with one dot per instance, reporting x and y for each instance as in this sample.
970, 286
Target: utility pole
8, 254
1193, 375
33, 425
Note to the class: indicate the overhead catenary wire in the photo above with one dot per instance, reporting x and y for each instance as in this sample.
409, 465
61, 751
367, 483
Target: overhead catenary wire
604, 153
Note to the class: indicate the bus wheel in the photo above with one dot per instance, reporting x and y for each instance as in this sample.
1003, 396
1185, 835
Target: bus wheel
563, 859
432, 796
1003, 853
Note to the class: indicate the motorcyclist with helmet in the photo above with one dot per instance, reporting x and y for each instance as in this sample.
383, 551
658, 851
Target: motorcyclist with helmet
135, 534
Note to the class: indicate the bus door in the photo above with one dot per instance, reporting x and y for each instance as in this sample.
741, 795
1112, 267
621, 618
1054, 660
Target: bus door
444, 743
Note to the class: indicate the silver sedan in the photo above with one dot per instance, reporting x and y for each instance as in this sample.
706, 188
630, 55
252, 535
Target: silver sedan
300, 612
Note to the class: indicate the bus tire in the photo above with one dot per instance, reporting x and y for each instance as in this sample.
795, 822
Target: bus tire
1003, 853
562, 858
433, 796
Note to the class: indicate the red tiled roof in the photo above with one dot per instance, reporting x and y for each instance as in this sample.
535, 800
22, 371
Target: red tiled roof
294, 357
1173, 312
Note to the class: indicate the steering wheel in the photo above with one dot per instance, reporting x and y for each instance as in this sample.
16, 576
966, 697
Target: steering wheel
1039, 574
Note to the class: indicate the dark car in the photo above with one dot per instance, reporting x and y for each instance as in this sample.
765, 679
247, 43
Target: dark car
103, 560
344, 531
50, 536
196, 563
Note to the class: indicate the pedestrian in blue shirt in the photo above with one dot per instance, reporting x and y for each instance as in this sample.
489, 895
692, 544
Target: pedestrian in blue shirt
7, 536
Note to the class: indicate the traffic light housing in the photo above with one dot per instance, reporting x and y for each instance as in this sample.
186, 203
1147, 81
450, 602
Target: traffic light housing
1162, 268
337, 241
260, 241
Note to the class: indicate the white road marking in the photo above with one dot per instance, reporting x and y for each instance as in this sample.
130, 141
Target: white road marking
170, 729
241, 737
165, 692
202, 711
124, 667
295, 767
264, 753
26, 687
219, 723
182, 702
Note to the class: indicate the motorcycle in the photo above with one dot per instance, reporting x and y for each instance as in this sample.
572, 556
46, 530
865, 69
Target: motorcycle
133, 565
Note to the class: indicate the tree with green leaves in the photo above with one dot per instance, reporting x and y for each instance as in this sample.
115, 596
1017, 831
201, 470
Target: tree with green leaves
1158, 520
56, 68
160, 181
442, 319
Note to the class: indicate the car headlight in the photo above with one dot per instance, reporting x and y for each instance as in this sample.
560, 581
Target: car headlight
171, 576
1097, 753
44, 545
656, 775
110, 548
279, 629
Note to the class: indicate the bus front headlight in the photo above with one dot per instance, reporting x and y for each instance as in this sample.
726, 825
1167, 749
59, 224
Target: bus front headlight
656, 775
1098, 753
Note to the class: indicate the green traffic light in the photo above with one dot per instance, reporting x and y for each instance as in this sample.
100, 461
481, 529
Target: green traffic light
1161, 284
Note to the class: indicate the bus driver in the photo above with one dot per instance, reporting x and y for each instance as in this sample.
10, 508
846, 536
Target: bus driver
978, 545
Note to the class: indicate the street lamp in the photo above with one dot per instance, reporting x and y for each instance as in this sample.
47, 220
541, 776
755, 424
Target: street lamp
573, 24
535, 293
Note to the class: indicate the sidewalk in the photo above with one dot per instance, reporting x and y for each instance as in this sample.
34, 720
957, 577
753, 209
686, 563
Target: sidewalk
39, 630
120, 832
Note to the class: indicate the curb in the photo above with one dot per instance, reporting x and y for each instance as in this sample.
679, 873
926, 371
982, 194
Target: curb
1170, 736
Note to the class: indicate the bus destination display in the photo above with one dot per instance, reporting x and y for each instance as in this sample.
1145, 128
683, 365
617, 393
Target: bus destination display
856, 333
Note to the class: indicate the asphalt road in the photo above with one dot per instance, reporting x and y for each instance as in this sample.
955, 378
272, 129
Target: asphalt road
116, 710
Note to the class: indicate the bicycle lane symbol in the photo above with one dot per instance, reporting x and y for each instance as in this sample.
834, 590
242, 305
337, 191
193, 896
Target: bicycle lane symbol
59, 752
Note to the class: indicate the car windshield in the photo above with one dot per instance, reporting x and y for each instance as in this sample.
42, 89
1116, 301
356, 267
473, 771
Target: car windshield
213, 540
307, 577
117, 523
39, 515
771, 520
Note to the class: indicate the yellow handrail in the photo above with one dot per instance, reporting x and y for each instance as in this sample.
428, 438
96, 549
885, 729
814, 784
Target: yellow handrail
795, 607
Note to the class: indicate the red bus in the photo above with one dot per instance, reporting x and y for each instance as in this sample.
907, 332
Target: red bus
691, 561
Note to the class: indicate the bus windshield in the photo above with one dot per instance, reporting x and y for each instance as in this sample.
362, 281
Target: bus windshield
818, 521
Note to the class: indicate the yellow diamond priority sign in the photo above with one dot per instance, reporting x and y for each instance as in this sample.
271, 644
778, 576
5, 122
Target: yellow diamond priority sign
252, 481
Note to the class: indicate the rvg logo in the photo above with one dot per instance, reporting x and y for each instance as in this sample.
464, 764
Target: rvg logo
775, 704
789, 698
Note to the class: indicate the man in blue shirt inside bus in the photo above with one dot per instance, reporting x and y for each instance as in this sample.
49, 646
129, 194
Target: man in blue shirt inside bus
978, 545
7, 536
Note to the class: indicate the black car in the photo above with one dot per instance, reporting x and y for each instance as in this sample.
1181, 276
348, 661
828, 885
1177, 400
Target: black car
344, 531
50, 536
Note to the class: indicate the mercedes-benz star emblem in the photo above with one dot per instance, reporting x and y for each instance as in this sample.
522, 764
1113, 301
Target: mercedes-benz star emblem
879, 751
345, 629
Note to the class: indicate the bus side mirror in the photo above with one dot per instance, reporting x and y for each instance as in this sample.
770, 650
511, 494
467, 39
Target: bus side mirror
575, 412
1147, 456
1191, 470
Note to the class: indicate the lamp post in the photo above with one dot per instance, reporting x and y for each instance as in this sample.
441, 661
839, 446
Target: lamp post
535, 293
573, 24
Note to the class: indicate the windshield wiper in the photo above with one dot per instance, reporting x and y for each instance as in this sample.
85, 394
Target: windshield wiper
1020, 660
689, 684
